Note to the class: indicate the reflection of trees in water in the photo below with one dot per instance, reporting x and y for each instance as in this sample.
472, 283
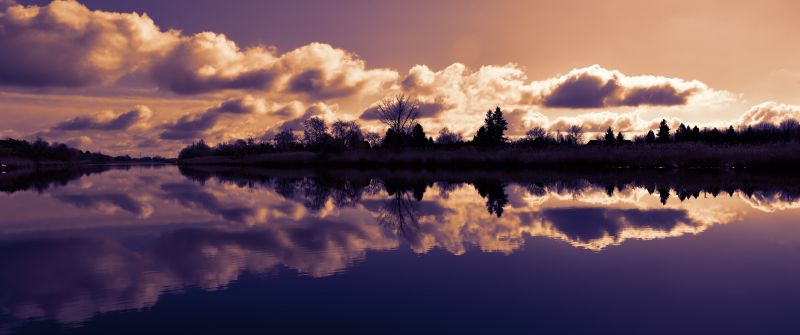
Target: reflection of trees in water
42, 179
447, 187
345, 190
400, 214
495, 194
315, 192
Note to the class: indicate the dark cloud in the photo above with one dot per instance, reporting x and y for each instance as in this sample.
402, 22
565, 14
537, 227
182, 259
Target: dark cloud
228, 67
371, 114
313, 84
426, 110
66, 44
584, 91
588, 224
118, 200
596, 87
193, 196
195, 125
190, 126
120, 122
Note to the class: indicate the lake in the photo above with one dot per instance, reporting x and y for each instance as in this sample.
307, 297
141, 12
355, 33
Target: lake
162, 249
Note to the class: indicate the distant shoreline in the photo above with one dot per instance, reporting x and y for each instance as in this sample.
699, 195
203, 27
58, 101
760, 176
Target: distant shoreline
656, 156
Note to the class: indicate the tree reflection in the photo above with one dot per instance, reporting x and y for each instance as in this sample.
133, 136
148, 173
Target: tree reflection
495, 194
400, 214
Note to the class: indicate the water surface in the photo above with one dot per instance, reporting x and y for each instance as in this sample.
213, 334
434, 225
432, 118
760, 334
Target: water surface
224, 250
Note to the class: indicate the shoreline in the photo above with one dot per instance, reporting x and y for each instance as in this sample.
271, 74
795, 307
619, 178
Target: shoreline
675, 156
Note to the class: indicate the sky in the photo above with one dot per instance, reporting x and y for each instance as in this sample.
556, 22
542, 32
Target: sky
147, 77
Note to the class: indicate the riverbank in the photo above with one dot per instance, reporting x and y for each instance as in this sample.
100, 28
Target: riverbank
671, 156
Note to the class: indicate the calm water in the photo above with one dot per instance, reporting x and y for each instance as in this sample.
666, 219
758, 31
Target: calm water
137, 250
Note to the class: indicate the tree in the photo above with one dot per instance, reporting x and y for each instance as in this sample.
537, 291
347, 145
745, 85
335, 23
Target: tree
347, 133
493, 131
418, 138
315, 131
620, 138
391, 139
535, 133
500, 126
575, 133
695, 134
609, 138
480, 137
285, 139
650, 137
730, 135
682, 133
399, 113
448, 137
663, 132
373, 138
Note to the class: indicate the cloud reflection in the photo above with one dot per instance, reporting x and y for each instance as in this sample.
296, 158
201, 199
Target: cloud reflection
232, 221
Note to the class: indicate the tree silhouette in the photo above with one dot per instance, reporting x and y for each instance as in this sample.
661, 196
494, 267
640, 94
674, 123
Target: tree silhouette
315, 132
347, 134
495, 194
620, 138
663, 132
492, 133
650, 137
418, 136
448, 137
399, 113
285, 139
575, 134
609, 138
400, 214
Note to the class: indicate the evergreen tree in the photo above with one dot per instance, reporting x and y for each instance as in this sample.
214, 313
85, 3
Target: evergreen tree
620, 138
500, 127
493, 131
480, 137
681, 134
390, 139
663, 132
609, 138
650, 137
695, 134
418, 138
730, 135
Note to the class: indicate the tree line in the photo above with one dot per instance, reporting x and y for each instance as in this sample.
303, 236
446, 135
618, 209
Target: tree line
41, 150
400, 116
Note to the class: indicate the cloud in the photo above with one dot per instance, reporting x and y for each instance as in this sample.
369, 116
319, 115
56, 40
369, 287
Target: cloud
107, 121
209, 62
427, 110
108, 202
319, 72
770, 112
192, 126
295, 112
66, 44
597, 87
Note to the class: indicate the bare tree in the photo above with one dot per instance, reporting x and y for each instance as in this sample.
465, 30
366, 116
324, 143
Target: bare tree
348, 133
575, 133
399, 113
285, 139
446, 137
374, 139
314, 131
535, 133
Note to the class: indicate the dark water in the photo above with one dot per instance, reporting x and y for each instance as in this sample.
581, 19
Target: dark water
113, 250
